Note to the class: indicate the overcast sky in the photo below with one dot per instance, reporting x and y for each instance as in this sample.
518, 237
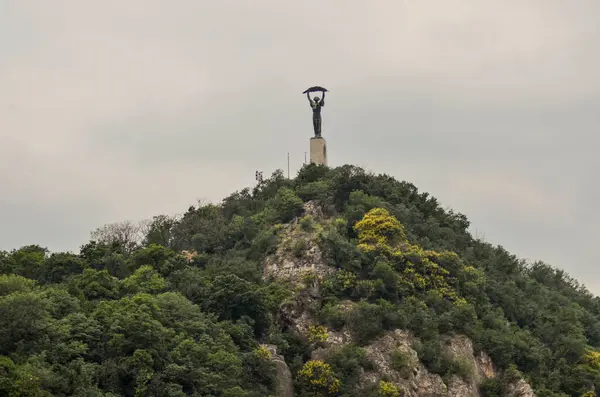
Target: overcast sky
114, 110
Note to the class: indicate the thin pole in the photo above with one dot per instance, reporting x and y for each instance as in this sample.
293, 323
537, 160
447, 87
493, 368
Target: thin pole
304, 157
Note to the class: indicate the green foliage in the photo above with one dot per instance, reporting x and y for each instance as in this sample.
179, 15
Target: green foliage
94, 284
25, 322
59, 267
307, 223
365, 321
27, 261
162, 259
491, 387
11, 283
317, 190
286, 205
145, 279
160, 231
499, 386
401, 362
133, 315
347, 363
233, 298
298, 247
461, 367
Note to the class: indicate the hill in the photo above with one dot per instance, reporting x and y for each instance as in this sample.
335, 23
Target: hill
334, 283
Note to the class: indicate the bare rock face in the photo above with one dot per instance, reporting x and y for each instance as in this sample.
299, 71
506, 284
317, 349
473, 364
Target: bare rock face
334, 340
394, 358
312, 208
298, 255
412, 377
427, 385
485, 366
299, 261
457, 387
520, 389
284, 386
380, 354
461, 347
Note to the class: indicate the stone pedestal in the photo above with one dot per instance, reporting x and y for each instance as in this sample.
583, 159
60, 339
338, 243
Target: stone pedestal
318, 151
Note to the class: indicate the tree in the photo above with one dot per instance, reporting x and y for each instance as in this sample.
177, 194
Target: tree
27, 261
160, 231
233, 298
127, 234
60, 266
95, 284
286, 204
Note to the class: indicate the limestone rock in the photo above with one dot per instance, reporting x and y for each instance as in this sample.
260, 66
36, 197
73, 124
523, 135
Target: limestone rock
313, 209
428, 385
284, 387
520, 389
298, 255
457, 387
381, 350
485, 366
461, 347
414, 378
299, 261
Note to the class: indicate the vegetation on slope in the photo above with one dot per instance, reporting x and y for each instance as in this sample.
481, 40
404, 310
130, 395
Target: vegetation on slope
147, 318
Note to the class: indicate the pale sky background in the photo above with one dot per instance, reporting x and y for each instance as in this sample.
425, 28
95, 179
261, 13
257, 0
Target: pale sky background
114, 110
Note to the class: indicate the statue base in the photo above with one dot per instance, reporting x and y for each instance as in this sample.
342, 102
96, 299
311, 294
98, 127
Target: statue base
318, 151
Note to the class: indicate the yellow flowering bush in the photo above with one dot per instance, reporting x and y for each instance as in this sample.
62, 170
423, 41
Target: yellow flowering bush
317, 333
317, 379
345, 279
387, 389
381, 232
592, 358
379, 228
263, 352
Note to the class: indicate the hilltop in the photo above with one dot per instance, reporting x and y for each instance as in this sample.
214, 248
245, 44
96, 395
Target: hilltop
335, 283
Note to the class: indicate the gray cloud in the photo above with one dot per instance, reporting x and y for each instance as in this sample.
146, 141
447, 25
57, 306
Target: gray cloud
122, 110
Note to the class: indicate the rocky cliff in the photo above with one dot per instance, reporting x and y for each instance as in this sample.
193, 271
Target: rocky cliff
392, 357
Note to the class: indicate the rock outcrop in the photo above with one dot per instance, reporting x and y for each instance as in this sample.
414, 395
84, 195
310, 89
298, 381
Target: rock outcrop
413, 378
284, 384
299, 261
520, 389
298, 254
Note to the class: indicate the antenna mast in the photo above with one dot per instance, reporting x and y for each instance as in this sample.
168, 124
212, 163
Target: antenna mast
258, 175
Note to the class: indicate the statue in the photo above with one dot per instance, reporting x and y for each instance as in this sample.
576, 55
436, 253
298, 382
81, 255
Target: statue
316, 104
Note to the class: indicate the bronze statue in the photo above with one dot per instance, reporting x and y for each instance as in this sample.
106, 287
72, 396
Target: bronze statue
316, 104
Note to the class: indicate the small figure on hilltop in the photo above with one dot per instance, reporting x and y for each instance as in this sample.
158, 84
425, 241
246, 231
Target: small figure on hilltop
316, 104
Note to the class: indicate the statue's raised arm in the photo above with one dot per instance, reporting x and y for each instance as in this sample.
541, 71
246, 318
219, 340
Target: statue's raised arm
309, 100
